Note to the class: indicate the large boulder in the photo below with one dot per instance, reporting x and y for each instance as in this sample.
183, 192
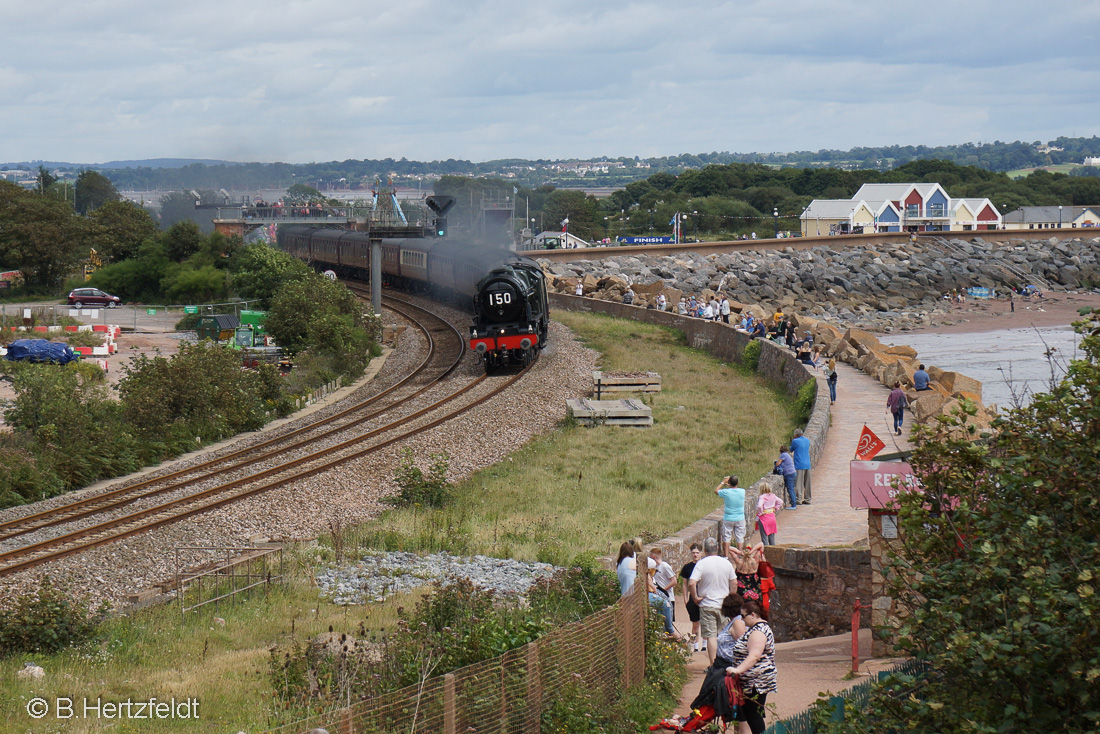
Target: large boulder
955, 382
928, 405
902, 351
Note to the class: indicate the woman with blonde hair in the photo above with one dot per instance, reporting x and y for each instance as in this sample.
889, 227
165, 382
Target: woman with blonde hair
830, 377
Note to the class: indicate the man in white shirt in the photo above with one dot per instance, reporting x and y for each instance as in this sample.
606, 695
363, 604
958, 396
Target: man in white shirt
712, 579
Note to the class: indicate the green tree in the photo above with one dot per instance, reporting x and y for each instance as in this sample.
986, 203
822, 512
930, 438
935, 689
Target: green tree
45, 179
93, 190
999, 566
75, 425
38, 235
219, 400
182, 240
260, 271
324, 319
579, 208
118, 229
302, 194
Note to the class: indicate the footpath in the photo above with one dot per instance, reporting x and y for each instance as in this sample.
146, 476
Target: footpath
809, 667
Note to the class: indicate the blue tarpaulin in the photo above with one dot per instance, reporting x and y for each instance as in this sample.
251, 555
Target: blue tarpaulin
40, 350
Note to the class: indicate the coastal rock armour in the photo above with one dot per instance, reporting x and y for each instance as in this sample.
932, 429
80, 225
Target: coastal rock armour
891, 286
380, 575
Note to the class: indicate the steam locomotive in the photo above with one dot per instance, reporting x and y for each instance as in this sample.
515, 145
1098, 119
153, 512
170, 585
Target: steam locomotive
506, 292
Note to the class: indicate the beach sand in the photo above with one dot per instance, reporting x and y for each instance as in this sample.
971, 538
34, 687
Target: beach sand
974, 316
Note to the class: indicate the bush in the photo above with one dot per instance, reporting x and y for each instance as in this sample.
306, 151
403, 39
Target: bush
804, 402
750, 356
46, 620
420, 490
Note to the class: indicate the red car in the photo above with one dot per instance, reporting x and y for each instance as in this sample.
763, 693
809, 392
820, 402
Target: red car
93, 297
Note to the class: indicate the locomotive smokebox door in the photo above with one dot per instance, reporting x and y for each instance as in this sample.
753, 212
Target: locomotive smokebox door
501, 302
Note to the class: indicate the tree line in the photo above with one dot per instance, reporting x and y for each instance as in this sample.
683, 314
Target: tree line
724, 201
996, 156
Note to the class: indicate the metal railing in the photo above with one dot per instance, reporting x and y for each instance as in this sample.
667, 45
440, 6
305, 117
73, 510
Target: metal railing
236, 571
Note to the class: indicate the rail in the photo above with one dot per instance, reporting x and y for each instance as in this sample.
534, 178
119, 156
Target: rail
135, 522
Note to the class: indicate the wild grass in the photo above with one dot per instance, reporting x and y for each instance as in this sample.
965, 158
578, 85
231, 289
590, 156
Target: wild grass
584, 488
156, 652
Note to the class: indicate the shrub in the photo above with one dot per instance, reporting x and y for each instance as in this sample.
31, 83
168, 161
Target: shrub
417, 489
46, 620
750, 356
804, 401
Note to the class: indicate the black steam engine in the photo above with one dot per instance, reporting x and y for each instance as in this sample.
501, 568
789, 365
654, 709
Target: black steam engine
505, 291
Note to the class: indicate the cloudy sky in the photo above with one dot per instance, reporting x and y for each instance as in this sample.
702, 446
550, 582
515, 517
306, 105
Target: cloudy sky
323, 80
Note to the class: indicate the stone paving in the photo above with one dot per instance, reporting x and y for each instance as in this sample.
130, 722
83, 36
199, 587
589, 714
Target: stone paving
807, 667
830, 521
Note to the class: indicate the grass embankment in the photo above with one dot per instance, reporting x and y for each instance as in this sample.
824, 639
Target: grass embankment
584, 489
579, 489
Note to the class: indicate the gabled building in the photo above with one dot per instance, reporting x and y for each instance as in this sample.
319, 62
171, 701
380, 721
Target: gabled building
902, 207
1053, 217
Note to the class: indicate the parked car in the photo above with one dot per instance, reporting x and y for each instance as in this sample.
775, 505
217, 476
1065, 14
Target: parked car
93, 297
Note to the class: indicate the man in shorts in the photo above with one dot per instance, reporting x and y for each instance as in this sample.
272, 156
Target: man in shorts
712, 580
733, 512
691, 606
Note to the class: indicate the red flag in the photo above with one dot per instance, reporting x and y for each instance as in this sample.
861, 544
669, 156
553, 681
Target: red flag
869, 445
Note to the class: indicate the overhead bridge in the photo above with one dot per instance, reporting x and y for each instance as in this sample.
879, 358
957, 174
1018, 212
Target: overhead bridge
384, 222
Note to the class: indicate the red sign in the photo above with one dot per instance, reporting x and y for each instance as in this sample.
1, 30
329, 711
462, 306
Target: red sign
874, 484
869, 445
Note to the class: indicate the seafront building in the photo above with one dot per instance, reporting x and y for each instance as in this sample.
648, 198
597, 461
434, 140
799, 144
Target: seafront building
901, 207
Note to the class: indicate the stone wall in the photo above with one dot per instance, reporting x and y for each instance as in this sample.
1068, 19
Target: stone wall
819, 598
886, 612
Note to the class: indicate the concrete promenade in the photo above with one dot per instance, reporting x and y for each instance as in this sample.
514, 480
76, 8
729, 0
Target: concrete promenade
809, 667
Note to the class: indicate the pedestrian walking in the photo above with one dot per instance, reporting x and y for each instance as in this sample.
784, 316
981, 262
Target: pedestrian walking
733, 512
580, 288
830, 379
896, 404
712, 580
800, 449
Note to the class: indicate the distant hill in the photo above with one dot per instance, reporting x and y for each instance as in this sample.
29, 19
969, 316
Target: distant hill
146, 163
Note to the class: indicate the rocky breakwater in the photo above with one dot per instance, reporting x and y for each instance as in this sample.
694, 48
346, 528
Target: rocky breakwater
885, 287
890, 364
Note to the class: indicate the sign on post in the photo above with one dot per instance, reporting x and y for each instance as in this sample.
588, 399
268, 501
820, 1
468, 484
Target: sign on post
875, 484
190, 309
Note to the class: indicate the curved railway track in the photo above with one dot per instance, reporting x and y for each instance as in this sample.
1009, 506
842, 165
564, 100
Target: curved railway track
434, 368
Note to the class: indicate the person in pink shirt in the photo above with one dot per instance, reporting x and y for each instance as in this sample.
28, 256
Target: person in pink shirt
766, 507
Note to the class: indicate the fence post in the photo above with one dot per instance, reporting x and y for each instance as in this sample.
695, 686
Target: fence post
534, 688
449, 703
855, 638
347, 721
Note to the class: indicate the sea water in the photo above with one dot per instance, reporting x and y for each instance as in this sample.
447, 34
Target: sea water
1012, 364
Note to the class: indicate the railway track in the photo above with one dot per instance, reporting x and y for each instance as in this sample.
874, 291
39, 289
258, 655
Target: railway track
118, 524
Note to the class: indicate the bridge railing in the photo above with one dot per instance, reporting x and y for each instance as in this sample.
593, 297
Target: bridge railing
306, 214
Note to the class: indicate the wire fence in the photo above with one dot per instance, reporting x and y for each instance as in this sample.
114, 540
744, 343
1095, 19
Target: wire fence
851, 699
604, 654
